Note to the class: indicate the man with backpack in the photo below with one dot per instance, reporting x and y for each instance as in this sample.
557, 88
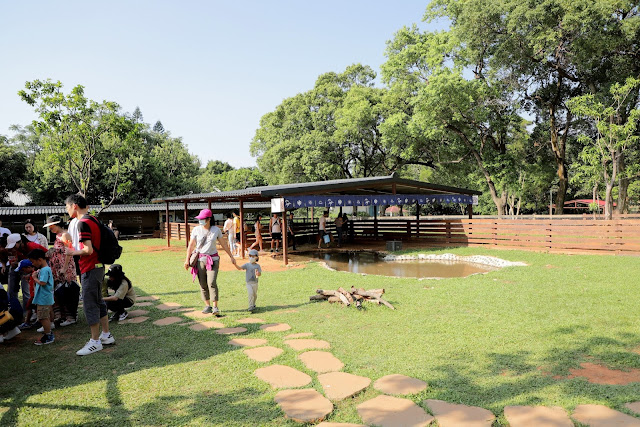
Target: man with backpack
91, 274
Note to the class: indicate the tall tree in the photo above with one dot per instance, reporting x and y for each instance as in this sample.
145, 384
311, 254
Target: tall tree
14, 168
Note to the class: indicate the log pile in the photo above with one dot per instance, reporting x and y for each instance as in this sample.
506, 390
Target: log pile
351, 297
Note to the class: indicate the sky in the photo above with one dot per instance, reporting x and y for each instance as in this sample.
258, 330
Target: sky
208, 70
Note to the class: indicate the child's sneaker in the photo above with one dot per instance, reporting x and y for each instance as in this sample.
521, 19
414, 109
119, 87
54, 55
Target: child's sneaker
25, 325
123, 316
107, 340
46, 339
113, 317
89, 348
12, 333
68, 322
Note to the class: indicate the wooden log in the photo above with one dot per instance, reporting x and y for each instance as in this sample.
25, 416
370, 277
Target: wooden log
334, 299
386, 303
328, 292
368, 294
318, 298
344, 299
346, 294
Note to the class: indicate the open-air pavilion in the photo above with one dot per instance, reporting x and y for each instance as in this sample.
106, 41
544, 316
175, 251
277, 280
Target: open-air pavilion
339, 193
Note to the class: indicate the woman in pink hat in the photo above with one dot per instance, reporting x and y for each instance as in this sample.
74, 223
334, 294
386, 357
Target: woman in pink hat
204, 239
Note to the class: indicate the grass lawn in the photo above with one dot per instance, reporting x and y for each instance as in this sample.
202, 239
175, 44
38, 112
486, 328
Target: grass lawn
508, 337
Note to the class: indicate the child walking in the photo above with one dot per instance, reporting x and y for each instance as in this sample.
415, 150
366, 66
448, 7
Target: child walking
43, 297
253, 271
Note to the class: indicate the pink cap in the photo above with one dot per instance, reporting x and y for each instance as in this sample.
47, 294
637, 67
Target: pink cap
205, 213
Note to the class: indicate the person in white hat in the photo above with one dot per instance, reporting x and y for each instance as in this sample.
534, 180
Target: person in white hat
253, 271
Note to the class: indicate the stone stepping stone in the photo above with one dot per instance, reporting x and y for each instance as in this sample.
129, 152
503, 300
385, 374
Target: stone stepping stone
246, 320
168, 306
601, 416
300, 335
181, 310
143, 304
247, 342
327, 424
280, 376
135, 313
321, 361
340, 385
275, 327
633, 406
307, 344
229, 331
196, 314
147, 298
389, 411
399, 384
201, 326
263, 354
138, 319
542, 416
168, 321
456, 415
303, 406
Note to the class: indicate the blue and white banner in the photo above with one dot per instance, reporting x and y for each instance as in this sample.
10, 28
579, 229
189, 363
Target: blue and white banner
376, 200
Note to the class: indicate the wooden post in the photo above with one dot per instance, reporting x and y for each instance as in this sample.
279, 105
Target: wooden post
168, 227
186, 225
417, 219
470, 210
375, 222
285, 238
243, 239
209, 204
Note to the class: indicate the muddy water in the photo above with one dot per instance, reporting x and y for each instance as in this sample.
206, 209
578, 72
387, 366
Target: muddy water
373, 263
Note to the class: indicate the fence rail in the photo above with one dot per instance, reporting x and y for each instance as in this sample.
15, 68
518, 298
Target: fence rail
567, 235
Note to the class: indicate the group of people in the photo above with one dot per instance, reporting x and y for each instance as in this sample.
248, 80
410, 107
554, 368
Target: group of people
47, 279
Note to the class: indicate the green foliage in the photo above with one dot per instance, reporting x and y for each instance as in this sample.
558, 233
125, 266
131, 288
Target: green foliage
14, 167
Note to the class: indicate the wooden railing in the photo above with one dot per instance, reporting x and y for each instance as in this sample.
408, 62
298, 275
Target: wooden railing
618, 236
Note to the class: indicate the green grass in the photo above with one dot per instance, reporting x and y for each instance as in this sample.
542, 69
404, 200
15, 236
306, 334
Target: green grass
488, 340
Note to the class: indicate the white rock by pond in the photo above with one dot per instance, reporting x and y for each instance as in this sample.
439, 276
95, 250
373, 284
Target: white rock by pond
476, 259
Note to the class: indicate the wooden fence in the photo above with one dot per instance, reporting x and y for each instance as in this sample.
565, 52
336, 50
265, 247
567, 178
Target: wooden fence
566, 235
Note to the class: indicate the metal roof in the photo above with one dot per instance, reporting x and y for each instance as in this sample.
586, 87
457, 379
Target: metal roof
6, 211
370, 185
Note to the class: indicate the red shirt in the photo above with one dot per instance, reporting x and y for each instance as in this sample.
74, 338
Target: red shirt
89, 229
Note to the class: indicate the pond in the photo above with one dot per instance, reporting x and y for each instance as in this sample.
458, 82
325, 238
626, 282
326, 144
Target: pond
374, 263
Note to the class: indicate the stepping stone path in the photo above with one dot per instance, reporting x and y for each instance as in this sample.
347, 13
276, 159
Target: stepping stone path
246, 320
275, 327
633, 406
300, 335
455, 415
168, 321
389, 411
321, 361
168, 306
147, 298
135, 313
247, 342
195, 314
263, 354
181, 310
307, 344
601, 416
281, 376
229, 331
340, 385
201, 326
143, 304
303, 406
326, 424
399, 384
536, 416
138, 319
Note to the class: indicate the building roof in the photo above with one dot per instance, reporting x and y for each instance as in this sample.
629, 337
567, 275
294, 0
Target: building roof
391, 184
6, 211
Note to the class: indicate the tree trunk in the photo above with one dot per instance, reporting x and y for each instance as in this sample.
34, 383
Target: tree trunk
623, 186
563, 184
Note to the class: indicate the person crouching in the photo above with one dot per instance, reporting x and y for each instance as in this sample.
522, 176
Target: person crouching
123, 297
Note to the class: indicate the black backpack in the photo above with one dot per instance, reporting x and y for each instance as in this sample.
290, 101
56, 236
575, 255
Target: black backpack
109, 250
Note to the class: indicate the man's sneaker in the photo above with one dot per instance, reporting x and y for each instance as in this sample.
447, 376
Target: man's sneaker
12, 333
34, 317
89, 348
123, 316
113, 317
68, 322
41, 328
1, 339
25, 325
46, 339
251, 309
208, 309
215, 310
108, 340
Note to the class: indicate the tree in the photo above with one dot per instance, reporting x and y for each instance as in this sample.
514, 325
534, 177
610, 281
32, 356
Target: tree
615, 132
14, 168
158, 127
